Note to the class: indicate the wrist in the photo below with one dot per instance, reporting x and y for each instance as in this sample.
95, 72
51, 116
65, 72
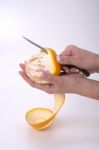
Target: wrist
86, 87
75, 84
79, 85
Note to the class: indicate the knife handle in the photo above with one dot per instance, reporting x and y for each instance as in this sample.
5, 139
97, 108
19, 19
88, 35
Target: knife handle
85, 72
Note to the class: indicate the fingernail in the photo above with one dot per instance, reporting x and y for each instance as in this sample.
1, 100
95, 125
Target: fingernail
59, 58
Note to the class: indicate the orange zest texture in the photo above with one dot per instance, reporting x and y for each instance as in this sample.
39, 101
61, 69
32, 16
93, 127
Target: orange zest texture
41, 118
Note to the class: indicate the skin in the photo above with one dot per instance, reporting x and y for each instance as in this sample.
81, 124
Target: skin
73, 81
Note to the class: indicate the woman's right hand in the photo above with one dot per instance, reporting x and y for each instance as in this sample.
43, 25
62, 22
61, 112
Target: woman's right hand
80, 58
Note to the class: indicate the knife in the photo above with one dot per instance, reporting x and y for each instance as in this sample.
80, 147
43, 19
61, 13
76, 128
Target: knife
85, 72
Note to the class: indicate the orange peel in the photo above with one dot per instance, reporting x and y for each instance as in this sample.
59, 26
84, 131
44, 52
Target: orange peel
41, 118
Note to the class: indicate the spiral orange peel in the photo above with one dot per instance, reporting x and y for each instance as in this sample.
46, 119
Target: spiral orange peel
41, 118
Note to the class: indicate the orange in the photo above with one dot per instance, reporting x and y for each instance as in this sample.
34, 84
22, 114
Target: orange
41, 118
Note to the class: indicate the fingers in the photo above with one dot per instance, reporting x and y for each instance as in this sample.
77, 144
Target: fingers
65, 69
62, 59
45, 76
69, 50
70, 70
69, 56
74, 71
80, 75
24, 75
26, 78
49, 77
22, 66
44, 87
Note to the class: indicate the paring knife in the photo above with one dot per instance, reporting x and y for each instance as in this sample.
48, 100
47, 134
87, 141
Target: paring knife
85, 72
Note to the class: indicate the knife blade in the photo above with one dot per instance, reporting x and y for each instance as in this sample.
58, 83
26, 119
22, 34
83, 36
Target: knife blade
35, 44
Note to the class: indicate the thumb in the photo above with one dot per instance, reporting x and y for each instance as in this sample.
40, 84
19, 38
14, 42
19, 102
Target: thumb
48, 77
62, 59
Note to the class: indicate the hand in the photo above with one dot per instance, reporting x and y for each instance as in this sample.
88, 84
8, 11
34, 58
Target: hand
78, 57
71, 83
57, 84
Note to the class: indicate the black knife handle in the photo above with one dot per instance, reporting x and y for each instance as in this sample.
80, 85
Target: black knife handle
85, 72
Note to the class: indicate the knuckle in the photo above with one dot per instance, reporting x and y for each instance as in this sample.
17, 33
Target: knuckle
71, 46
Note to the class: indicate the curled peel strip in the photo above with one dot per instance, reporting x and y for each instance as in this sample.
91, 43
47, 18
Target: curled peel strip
41, 118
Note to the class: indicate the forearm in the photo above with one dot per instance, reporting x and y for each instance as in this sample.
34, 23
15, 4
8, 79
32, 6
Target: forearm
87, 87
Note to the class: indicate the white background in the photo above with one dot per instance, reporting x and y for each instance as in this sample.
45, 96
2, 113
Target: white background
51, 23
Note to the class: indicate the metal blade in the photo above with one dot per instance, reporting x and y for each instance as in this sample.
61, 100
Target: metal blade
42, 48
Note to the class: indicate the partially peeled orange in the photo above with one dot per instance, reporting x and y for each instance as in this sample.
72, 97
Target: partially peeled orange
41, 118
